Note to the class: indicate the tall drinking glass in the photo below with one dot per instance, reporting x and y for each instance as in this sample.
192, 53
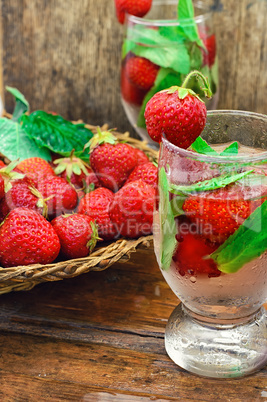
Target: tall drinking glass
160, 50
210, 237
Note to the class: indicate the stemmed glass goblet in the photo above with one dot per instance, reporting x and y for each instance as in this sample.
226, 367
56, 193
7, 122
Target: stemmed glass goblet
210, 239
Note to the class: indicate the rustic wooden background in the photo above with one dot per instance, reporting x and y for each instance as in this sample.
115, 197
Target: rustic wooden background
64, 55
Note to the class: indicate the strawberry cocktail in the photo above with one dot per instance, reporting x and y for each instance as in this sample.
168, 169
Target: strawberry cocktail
210, 230
160, 49
210, 235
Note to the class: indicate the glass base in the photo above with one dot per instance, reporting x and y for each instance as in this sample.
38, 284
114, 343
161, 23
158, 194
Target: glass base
214, 349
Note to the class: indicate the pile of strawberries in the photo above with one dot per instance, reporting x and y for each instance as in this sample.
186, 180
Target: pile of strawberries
63, 208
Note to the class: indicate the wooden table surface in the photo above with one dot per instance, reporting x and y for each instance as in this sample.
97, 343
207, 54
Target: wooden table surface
100, 337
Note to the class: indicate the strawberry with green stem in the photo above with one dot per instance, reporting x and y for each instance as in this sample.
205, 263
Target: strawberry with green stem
75, 171
77, 234
60, 196
19, 191
26, 237
141, 72
36, 168
148, 172
110, 160
95, 204
178, 113
132, 209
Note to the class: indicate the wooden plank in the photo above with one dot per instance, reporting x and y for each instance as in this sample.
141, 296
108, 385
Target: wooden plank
46, 363
124, 297
101, 335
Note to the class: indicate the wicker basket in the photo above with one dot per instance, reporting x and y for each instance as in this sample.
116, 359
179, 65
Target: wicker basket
26, 277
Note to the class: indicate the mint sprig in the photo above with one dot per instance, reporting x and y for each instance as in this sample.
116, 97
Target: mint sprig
167, 223
202, 147
209, 185
247, 243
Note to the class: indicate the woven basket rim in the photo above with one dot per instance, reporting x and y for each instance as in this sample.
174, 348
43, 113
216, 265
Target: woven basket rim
26, 277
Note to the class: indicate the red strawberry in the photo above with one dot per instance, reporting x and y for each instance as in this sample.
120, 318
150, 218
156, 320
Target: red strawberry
36, 168
191, 256
139, 8
60, 196
112, 162
2, 187
217, 214
132, 209
75, 171
19, 192
91, 181
77, 235
130, 92
209, 53
2, 164
147, 172
26, 237
141, 157
96, 205
141, 72
178, 113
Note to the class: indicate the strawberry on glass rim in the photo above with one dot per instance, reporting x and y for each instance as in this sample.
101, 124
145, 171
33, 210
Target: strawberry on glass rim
178, 113
139, 8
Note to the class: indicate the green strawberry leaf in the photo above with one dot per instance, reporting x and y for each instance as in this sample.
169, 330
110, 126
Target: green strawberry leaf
247, 243
202, 147
231, 150
16, 144
167, 223
165, 79
208, 185
57, 134
21, 105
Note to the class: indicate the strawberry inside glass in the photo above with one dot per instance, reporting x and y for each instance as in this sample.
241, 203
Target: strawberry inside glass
160, 49
210, 237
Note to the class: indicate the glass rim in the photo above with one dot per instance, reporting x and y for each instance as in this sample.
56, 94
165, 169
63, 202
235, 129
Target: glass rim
221, 158
170, 22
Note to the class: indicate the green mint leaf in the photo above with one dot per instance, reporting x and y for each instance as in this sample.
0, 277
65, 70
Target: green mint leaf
231, 150
185, 12
165, 50
196, 58
185, 9
202, 147
15, 143
167, 223
176, 204
208, 185
21, 105
165, 79
174, 57
247, 243
57, 134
